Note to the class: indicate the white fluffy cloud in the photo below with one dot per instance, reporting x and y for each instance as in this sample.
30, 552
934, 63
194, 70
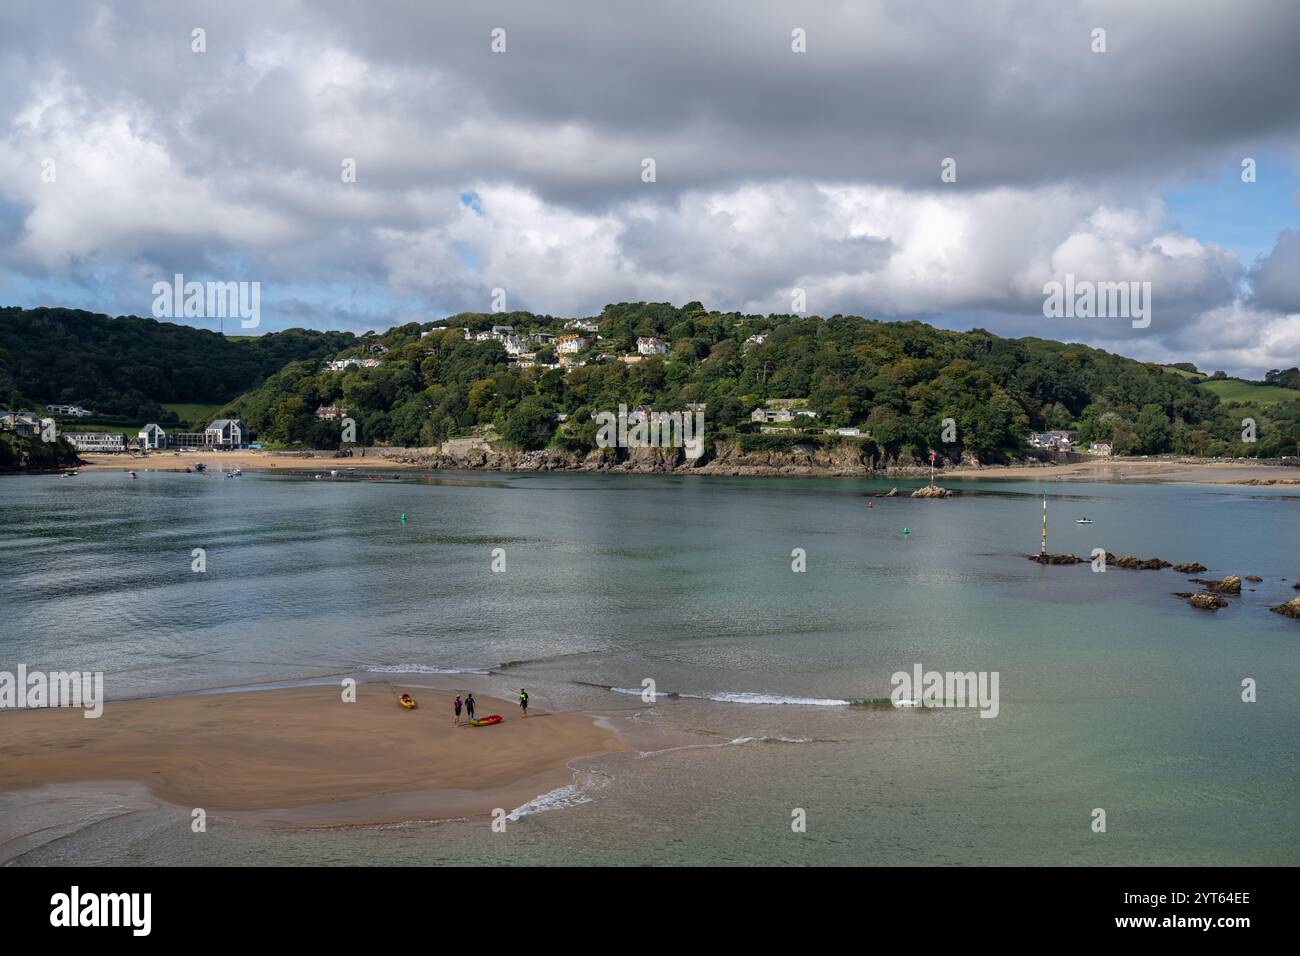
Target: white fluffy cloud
775, 170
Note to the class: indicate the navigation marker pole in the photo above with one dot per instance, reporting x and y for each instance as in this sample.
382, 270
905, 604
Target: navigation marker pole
1043, 549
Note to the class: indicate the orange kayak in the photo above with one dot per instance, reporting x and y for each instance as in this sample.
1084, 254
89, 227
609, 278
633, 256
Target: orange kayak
486, 721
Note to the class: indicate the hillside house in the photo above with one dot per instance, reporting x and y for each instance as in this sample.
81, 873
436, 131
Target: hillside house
571, 344
651, 346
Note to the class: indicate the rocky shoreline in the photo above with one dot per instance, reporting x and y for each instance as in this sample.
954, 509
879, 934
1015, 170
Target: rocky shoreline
843, 460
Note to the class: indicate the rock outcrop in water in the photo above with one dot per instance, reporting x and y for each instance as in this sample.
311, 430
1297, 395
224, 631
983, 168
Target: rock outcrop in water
1191, 567
1254, 578
1207, 602
1229, 585
1056, 559
1130, 563
931, 491
1291, 608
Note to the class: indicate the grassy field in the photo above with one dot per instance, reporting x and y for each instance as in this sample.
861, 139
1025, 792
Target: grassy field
1235, 390
192, 412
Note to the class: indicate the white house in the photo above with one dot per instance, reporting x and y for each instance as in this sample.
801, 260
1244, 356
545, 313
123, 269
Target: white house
330, 413
226, 433
340, 365
1099, 448
97, 441
152, 436
758, 339
515, 345
582, 325
72, 411
651, 346
571, 344
849, 432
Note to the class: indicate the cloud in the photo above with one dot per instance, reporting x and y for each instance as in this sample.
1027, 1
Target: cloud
775, 170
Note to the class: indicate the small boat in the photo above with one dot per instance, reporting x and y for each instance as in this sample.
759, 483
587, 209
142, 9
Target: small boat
407, 701
132, 474
70, 474
1084, 520
486, 721
199, 466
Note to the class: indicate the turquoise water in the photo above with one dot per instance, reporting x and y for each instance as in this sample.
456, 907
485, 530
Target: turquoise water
1113, 693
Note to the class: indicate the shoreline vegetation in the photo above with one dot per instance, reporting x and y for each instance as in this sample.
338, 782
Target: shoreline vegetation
662, 461
302, 756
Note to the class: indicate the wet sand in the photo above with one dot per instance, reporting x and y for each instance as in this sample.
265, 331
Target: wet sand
302, 755
1182, 471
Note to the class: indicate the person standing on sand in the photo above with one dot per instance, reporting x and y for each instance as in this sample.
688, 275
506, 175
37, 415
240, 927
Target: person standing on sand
469, 706
523, 700
456, 703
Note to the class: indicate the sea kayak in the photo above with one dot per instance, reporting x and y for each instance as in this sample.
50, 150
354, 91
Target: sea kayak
486, 721
407, 701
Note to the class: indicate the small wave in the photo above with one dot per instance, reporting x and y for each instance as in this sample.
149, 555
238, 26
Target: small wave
638, 692
425, 669
744, 697
561, 799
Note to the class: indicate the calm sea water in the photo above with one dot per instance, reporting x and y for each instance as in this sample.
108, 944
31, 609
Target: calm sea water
1113, 694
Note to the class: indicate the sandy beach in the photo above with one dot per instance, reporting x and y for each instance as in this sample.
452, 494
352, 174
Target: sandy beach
1182, 470
302, 755
1185, 471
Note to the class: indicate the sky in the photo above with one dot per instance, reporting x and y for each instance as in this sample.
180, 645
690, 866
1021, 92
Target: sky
504, 145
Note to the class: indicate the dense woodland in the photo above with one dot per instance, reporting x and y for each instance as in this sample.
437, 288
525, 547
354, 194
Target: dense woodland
897, 380
126, 367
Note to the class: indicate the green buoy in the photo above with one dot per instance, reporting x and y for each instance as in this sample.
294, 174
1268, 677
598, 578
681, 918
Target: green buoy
906, 531
403, 517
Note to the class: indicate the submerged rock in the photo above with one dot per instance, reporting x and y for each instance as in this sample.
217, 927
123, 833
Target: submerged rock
1229, 585
1207, 602
1056, 559
1191, 567
1130, 563
891, 493
1254, 578
1291, 608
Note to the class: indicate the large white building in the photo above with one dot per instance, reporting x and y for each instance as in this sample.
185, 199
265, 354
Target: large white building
651, 346
101, 442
